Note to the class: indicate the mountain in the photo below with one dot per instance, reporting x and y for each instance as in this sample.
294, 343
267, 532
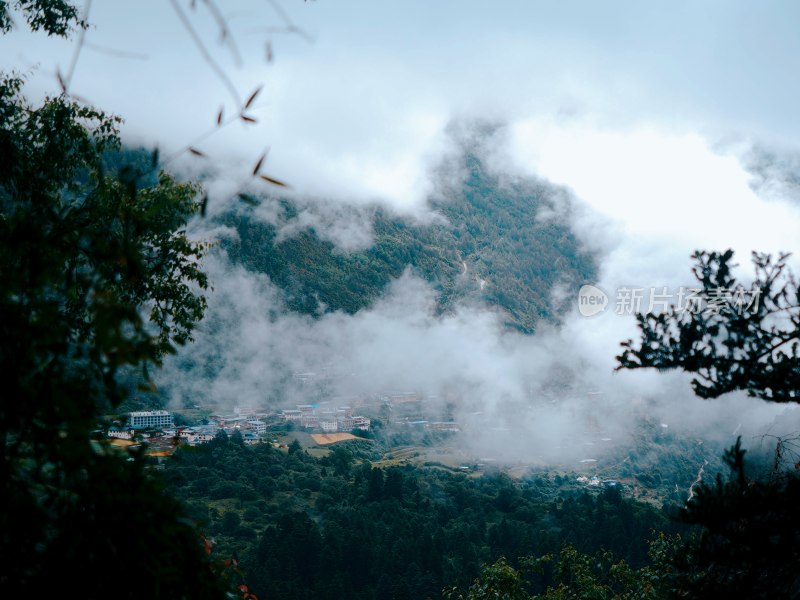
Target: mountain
505, 244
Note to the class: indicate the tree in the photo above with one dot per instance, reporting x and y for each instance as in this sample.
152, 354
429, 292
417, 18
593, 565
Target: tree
97, 276
294, 447
55, 17
341, 459
733, 337
738, 338
749, 542
498, 581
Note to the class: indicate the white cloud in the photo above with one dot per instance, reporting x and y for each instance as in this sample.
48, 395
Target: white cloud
668, 194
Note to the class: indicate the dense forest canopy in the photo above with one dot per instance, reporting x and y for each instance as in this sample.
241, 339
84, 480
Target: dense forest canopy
506, 245
335, 526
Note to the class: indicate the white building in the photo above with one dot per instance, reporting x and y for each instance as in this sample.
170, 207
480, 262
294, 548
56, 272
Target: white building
291, 415
345, 422
147, 419
257, 426
310, 420
326, 419
329, 425
361, 423
122, 434
200, 438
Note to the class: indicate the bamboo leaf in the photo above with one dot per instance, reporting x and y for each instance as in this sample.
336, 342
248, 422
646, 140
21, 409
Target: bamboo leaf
259, 163
253, 96
273, 181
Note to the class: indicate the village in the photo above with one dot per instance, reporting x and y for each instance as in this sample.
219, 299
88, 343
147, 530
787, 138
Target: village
319, 421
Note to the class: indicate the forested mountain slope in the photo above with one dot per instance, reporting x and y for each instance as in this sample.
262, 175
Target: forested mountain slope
503, 243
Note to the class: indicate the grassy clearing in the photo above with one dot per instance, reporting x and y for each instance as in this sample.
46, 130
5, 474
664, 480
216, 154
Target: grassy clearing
323, 439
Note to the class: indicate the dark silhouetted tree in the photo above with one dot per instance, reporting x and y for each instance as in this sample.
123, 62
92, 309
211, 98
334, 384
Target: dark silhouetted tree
97, 277
734, 336
737, 338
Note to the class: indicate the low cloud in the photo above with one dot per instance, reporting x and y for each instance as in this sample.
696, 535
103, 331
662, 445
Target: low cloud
519, 398
633, 199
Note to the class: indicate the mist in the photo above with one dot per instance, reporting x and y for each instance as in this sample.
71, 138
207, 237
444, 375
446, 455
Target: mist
549, 398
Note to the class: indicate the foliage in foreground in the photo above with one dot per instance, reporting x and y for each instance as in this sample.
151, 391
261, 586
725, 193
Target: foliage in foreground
97, 276
739, 337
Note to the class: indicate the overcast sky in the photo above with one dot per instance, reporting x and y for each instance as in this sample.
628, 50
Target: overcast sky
647, 111
638, 107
